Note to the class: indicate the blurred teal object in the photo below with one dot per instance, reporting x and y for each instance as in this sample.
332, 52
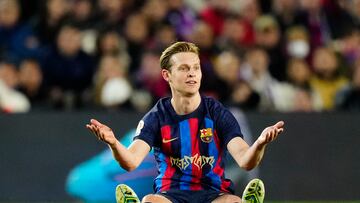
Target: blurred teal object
95, 180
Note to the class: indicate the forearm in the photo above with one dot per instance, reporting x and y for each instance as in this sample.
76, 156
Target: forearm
128, 158
123, 156
252, 156
249, 157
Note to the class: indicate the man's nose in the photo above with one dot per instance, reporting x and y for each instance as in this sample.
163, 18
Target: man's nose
191, 73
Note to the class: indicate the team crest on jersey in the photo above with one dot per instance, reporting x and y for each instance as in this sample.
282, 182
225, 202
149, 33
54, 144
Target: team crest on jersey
206, 135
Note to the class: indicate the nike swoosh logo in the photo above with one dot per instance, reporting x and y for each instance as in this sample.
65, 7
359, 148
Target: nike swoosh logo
170, 140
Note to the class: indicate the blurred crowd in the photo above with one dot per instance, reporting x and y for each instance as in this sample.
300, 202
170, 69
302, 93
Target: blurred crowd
258, 55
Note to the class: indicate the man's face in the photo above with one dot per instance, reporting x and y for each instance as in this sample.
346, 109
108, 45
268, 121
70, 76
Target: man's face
9, 13
184, 76
69, 41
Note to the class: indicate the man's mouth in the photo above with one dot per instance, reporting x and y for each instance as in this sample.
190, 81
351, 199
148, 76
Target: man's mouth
191, 82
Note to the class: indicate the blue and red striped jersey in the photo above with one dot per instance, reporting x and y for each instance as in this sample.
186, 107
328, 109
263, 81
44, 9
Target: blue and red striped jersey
190, 149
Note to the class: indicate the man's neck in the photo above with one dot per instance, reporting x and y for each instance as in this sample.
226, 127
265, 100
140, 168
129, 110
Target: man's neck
185, 104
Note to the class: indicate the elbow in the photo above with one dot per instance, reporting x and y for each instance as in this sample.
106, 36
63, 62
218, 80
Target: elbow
248, 167
128, 167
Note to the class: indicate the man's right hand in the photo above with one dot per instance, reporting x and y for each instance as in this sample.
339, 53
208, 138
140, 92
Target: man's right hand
102, 132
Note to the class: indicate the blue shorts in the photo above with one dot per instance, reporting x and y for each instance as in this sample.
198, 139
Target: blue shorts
187, 196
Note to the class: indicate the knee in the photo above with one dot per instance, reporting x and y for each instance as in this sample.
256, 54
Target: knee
232, 199
149, 198
154, 198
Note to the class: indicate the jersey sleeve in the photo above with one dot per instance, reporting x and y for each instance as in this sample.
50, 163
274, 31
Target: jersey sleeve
227, 125
147, 129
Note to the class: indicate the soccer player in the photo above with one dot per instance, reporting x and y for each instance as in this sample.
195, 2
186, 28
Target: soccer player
190, 135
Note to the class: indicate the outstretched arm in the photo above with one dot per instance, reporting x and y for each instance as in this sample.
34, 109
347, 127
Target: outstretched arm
249, 157
128, 158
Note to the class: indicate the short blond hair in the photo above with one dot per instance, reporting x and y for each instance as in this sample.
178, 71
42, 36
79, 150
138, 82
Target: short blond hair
175, 48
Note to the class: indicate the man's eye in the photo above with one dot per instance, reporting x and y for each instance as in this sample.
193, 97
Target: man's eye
182, 68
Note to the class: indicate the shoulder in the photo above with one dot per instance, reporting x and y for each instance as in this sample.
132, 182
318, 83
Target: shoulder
150, 123
158, 110
212, 104
215, 109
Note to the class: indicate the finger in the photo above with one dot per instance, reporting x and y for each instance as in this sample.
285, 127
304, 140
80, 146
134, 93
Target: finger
98, 131
272, 135
96, 122
279, 124
101, 133
90, 127
268, 136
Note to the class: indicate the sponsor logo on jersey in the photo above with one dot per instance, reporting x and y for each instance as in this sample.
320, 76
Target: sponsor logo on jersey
198, 160
169, 140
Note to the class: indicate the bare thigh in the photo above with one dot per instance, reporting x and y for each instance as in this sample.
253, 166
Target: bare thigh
154, 198
227, 198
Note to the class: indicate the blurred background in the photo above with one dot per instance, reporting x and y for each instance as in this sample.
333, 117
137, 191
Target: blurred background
63, 62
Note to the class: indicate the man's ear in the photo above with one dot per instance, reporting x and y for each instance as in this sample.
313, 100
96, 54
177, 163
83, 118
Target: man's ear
165, 74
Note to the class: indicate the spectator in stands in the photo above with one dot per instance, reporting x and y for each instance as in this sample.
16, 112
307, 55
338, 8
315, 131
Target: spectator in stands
109, 42
214, 15
52, 14
11, 100
327, 79
17, 39
68, 71
274, 95
182, 18
31, 81
286, 13
155, 12
268, 36
227, 70
136, 33
353, 8
349, 46
233, 35
348, 98
149, 77
304, 100
164, 35
82, 12
298, 73
112, 88
325, 20
203, 36
244, 97
297, 43
249, 12
110, 13
9, 74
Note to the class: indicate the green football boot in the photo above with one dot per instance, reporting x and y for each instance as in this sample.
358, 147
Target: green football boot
254, 192
124, 194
